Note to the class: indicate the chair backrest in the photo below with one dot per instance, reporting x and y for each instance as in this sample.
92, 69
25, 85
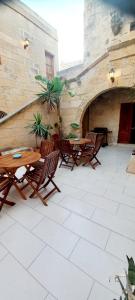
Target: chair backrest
92, 136
64, 146
4, 181
55, 137
46, 148
49, 166
99, 142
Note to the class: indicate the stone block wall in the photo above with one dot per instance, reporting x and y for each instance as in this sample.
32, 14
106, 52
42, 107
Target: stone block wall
104, 27
13, 132
18, 66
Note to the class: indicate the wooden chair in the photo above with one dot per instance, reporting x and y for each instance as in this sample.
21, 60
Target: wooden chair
69, 155
46, 147
40, 177
92, 136
5, 185
55, 138
90, 154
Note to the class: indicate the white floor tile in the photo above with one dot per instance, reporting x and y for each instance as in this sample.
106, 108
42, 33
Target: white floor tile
54, 212
3, 251
130, 191
126, 212
99, 292
88, 230
120, 246
114, 191
75, 192
98, 264
5, 222
77, 206
50, 297
101, 202
22, 244
127, 200
56, 236
57, 197
25, 215
16, 283
115, 223
61, 277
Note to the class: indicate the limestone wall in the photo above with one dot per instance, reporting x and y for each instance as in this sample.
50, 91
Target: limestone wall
104, 26
18, 66
95, 81
14, 132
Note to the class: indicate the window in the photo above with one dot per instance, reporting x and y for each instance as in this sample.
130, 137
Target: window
49, 65
132, 26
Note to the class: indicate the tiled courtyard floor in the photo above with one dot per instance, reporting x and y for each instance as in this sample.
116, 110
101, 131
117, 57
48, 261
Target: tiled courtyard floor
70, 249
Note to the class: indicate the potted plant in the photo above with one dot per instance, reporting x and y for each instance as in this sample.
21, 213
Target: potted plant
38, 128
128, 291
51, 93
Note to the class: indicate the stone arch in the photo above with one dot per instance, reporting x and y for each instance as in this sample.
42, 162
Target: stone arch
96, 96
104, 92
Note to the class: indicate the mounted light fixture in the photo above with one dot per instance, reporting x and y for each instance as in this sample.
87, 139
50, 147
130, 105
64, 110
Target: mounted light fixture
112, 75
26, 43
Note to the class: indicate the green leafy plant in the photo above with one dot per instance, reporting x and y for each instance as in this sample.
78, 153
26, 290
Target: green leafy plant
71, 136
51, 93
128, 292
75, 125
38, 128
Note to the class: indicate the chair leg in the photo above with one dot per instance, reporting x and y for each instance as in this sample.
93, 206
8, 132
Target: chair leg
3, 200
55, 185
36, 192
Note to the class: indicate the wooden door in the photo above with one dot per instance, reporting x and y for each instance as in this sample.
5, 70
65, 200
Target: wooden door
125, 125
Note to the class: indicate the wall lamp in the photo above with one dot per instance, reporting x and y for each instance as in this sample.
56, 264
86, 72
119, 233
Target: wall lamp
26, 43
112, 75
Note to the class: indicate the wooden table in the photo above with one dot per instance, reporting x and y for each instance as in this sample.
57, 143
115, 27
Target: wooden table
10, 165
81, 141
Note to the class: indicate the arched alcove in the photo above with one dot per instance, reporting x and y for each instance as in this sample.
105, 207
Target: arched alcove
113, 109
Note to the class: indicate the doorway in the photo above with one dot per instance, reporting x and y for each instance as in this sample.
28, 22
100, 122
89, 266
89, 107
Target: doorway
127, 123
85, 123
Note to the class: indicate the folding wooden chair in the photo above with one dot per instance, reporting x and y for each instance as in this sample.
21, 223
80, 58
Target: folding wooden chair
40, 177
91, 136
5, 185
90, 154
69, 155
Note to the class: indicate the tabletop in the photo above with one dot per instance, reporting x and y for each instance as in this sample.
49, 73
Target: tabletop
28, 157
80, 141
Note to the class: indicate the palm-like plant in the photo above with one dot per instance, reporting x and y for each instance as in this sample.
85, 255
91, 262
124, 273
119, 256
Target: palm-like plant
51, 93
38, 128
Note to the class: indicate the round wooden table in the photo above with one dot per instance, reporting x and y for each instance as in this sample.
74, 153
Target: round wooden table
28, 157
81, 141
10, 165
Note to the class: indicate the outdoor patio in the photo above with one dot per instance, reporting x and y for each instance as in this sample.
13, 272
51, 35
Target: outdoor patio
70, 249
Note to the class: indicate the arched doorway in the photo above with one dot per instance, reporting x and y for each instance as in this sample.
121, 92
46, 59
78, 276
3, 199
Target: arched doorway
114, 110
